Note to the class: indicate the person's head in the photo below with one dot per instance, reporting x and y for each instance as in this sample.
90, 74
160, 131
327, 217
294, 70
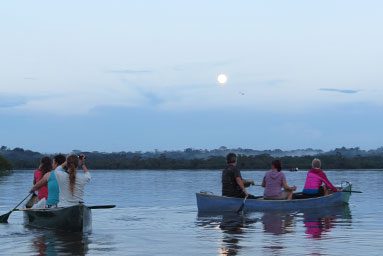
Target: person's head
45, 165
58, 160
72, 164
231, 158
316, 163
276, 165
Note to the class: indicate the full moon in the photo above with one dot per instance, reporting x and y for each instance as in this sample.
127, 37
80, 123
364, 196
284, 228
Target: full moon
222, 79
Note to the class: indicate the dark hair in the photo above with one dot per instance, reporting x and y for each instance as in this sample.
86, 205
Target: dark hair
59, 159
45, 165
277, 165
72, 164
231, 158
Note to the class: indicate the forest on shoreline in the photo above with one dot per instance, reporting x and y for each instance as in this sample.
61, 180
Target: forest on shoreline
5, 165
342, 158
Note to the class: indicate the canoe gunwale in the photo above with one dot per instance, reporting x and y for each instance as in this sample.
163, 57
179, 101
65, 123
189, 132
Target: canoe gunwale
43, 209
268, 200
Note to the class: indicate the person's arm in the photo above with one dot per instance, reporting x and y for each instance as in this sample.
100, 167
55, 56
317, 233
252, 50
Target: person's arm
239, 180
241, 185
63, 166
85, 169
328, 183
86, 173
42, 182
264, 182
82, 163
287, 187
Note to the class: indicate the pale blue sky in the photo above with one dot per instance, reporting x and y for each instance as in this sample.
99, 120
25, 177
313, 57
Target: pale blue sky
141, 75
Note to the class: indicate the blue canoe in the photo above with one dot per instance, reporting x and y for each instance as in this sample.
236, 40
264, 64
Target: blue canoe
208, 202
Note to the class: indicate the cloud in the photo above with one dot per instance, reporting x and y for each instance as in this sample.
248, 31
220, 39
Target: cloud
275, 82
130, 71
9, 101
347, 91
201, 65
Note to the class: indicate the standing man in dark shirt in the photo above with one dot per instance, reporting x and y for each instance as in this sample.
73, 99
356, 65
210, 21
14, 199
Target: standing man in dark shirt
232, 182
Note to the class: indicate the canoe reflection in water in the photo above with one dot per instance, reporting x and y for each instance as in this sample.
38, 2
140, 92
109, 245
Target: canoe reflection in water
236, 227
49, 242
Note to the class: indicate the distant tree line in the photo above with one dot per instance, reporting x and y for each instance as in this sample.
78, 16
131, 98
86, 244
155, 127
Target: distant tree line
5, 165
19, 158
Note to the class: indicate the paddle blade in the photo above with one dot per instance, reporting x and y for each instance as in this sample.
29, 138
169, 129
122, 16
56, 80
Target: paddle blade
4, 217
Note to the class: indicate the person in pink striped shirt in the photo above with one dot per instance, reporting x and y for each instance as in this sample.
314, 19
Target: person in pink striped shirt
314, 180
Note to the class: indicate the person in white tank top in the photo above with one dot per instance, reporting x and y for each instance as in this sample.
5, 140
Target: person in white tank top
71, 183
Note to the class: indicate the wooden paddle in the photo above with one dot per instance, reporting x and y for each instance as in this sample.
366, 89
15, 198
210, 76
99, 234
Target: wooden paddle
102, 206
350, 191
4, 217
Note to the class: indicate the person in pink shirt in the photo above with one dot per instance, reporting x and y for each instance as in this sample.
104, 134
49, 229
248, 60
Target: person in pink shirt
45, 167
314, 180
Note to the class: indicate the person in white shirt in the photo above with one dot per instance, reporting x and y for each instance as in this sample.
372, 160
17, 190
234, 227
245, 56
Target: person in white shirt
71, 183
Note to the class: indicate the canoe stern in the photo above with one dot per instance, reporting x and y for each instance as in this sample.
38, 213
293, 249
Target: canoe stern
211, 203
75, 218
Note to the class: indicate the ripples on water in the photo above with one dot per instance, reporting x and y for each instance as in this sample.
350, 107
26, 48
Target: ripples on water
156, 214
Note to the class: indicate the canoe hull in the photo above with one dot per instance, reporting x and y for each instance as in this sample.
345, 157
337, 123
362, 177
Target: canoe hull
213, 203
76, 218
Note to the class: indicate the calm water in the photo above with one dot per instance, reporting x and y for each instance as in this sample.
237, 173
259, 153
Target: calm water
156, 214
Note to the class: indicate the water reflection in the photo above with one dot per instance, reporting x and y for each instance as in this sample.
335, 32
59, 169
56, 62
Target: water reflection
313, 223
233, 227
59, 243
317, 223
277, 223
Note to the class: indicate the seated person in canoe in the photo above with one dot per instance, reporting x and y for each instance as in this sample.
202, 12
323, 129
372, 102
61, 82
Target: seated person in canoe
42, 193
314, 180
71, 183
232, 183
275, 184
49, 180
